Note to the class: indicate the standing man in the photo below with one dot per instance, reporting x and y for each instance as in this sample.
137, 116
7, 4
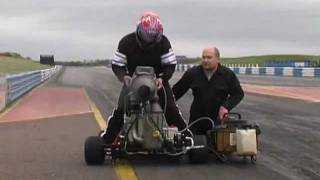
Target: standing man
147, 46
215, 88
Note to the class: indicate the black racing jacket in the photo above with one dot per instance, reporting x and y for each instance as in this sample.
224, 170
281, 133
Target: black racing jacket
223, 89
130, 54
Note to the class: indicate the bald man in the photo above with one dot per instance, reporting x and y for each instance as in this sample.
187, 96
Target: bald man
215, 88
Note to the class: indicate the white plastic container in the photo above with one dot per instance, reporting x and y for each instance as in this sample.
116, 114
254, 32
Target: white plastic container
246, 142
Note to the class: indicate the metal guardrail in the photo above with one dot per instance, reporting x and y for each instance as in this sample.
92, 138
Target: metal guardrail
3, 92
19, 84
266, 71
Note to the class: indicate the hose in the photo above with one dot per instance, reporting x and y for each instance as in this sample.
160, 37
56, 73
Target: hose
165, 100
191, 124
197, 120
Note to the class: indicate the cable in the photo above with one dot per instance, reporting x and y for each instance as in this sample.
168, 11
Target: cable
165, 109
188, 126
165, 99
197, 120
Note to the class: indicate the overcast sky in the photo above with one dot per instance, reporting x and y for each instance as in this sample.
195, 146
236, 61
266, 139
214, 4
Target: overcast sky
91, 29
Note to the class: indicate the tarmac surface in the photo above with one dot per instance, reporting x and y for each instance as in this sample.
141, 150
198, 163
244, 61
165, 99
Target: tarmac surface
52, 147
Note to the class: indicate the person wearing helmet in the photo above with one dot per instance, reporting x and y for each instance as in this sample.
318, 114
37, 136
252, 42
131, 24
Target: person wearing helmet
145, 47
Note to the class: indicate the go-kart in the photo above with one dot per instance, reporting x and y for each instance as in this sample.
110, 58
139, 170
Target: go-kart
145, 130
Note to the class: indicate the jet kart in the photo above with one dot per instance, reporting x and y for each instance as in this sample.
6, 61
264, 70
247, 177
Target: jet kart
145, 130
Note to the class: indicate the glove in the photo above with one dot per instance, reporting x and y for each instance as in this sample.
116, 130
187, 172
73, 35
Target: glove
127, 80
159, 83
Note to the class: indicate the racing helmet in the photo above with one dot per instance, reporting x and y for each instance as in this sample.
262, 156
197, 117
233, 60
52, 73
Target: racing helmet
149, 29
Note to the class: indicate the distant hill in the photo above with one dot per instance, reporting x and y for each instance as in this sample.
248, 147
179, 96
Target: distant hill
12, 63
259, 59
9, 54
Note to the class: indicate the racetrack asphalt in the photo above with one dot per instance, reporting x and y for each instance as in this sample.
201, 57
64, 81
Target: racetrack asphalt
53, 148
48, 149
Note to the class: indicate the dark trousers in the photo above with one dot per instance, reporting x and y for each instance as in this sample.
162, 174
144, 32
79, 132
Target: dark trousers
172, 113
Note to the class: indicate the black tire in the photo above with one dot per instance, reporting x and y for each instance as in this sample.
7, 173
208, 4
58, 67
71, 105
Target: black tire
94, 151
199, 155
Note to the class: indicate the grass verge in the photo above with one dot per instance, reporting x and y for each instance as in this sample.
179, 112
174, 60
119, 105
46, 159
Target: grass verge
13, 65
260, 59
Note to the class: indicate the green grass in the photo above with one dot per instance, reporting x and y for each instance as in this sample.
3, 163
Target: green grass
260, 59
13, 65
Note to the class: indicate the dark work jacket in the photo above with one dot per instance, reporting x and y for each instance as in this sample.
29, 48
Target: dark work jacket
223, 89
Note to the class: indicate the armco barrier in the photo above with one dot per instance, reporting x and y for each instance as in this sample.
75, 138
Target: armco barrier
297, 72
308, 72
317, 73
19, 84
255, 71
242, 70
262, 71
278, 71
3, 92
270, 71
236, 70
248, 70
288, 71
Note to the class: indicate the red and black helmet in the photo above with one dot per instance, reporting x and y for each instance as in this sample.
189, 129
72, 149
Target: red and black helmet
149, 28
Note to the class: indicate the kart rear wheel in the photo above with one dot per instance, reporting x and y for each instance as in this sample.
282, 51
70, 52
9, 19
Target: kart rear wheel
94, 151
199, 154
